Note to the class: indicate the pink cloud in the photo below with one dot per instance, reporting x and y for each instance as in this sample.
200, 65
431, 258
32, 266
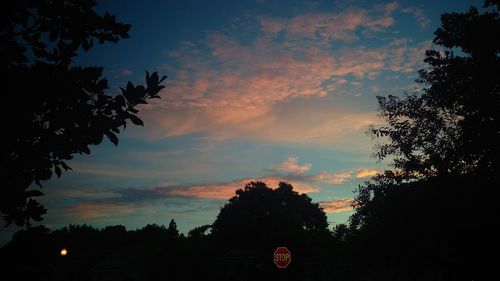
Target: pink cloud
227, 190
334, 178
341, 177
97, 211
271, 25
406, 58
329, 26
342, 126
389, 7
365, 173
226, 88
301, 182
291, 165
422, 20
337, 206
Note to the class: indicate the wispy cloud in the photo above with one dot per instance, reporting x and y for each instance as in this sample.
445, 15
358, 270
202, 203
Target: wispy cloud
301, 182
422, 20
94, 204
337, 206
334, 178
292, 166
365, 173
341, 177
329, 26
295, 174
82, 193
228, 189
166, 190
108, 170
125, 72
226, 86
86, 211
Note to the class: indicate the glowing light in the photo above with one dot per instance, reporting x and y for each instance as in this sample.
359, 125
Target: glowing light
64, 252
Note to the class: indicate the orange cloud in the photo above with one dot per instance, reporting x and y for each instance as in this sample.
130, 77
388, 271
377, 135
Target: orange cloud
227, 190
226, 88
329, 26
334, 178
271, 25
365, 173
301, 183
291, 165
342, 177
337, 206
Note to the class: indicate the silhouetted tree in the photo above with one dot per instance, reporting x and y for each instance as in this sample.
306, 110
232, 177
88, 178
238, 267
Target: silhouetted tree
153, 228
172, 229
35, 252
52, 108
199, 232
451, 126
433, 210
341, 232
258, 216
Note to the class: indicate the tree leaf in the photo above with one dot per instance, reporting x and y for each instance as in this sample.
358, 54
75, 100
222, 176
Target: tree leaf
85, 149
33, 193
87, 44
136, 120
112, 137
65, 166
58, 171
120, 100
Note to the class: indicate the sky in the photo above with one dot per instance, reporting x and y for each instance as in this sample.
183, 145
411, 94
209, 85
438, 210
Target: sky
257, 90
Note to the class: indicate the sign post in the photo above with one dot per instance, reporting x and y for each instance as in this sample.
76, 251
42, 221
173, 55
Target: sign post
282, 257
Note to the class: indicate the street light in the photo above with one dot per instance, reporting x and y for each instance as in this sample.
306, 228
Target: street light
64, 262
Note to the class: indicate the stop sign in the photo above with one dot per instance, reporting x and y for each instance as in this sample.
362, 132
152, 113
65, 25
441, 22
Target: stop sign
282, 257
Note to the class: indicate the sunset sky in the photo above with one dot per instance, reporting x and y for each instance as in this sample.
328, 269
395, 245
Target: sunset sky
256, 90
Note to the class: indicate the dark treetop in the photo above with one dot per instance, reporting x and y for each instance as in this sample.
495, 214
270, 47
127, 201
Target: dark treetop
258, 216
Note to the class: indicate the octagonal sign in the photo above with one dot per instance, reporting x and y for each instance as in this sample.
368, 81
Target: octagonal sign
282, 257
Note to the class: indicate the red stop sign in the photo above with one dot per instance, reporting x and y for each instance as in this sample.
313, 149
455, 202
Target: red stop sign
282, 257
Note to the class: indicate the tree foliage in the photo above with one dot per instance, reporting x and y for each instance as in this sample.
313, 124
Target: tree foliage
53, 109
436, 206
33, 253
451, 126
258, 215
199, 231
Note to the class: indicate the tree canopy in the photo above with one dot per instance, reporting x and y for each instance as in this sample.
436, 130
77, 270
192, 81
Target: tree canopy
53, 109
34, 253
439, 201
258, 215
450, 126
